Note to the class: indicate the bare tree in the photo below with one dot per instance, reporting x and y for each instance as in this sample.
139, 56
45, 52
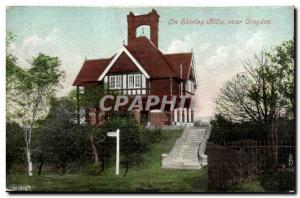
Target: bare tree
258, 94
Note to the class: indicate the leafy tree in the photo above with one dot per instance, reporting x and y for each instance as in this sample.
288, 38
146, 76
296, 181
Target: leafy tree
12, 73
283, 58
34, 89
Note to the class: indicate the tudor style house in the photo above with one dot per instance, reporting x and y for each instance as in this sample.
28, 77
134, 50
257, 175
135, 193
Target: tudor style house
140, 68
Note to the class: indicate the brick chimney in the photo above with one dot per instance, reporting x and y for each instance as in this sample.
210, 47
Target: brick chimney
151, 19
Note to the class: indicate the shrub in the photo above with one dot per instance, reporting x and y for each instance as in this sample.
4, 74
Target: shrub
281, 181
228, 131
134, 139
15, 145
93, 170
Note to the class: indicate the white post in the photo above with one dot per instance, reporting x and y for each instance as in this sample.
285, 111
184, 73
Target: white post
118, 151
117, 135
190, 115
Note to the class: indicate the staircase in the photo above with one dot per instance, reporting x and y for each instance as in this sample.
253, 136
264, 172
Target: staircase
188, 150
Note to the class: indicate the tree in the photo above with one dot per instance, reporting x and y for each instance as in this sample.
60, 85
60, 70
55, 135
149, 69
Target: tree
92, 129
34, 89
283, 58
262, 93
58, 142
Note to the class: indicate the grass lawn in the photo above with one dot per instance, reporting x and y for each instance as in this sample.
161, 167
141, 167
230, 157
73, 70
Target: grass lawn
149, 177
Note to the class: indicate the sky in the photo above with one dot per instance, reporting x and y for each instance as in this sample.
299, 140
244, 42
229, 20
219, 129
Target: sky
78, 33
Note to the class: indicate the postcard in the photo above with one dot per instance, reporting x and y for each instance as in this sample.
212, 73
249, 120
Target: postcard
150, 99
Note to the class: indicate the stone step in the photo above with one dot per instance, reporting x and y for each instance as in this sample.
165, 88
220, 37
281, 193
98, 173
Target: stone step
184, 154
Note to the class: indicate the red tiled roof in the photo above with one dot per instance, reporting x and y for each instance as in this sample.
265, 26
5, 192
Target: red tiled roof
91, 70
154, 62
183, 59
150, 58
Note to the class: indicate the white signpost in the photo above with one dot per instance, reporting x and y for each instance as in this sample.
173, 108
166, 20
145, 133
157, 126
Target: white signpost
117, 135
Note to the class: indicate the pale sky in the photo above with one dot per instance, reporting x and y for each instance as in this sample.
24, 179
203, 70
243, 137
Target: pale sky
74, 33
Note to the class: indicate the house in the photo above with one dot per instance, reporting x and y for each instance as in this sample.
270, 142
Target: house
140, 68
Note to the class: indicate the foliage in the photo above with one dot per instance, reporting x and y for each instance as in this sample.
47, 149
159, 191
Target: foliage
283, 58
99, 146
14, 145
92, 95
93, 131
93, 169
12, 74
132, 140
281, 181
225, 131
33, 87
152, 136
36, 86
58, 143
247, 186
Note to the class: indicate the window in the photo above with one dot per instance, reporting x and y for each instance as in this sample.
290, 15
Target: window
112, 82
119, 82
143, 30
115, 82
137, 81
190, 86
81, 90
130, 81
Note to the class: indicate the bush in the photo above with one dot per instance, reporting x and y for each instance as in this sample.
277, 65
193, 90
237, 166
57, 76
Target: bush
93, 170
281, 181
134, 138
227, 131
15, 145
57, 141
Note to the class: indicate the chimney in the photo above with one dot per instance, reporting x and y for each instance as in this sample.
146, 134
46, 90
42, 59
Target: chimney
151, 19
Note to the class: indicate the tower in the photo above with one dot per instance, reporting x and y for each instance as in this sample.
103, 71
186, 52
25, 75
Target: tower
151, 19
